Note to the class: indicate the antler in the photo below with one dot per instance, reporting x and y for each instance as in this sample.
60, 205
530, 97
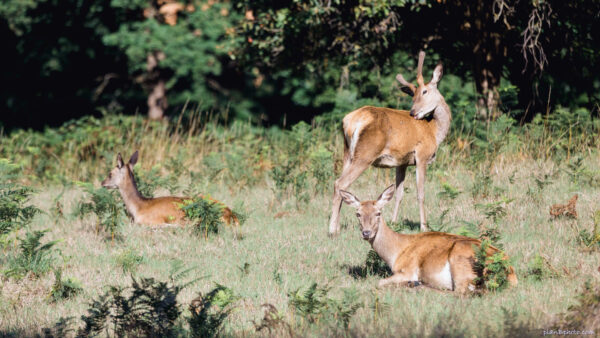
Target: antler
420, 68
403, 82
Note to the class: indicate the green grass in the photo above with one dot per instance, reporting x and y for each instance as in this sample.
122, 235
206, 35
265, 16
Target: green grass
278, 255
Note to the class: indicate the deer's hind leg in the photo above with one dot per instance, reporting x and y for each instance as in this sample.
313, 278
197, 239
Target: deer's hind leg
461, 261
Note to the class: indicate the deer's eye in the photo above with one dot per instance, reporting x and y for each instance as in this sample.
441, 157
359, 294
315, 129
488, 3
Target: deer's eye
378, 214
358, 214
424, 92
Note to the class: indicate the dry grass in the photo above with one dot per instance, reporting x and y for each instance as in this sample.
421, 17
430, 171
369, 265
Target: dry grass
294, 246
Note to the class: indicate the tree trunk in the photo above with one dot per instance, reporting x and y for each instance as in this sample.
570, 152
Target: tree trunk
157, 99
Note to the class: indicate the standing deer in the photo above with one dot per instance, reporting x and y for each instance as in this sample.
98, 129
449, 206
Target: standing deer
387, 138
152, 211
436, 259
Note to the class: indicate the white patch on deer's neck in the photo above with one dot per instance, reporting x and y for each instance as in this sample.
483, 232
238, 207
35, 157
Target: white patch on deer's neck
444, 277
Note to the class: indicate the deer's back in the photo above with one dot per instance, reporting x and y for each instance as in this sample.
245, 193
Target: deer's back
378, 131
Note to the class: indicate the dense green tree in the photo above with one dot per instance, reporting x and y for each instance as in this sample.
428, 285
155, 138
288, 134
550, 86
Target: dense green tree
523, 41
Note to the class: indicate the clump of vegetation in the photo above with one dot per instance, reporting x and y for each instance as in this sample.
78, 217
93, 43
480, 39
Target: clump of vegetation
586, 314
591, 240
492, 271
206, 215
64, 288
33, 257
208, 312
103, 203
15, 214
494, 210
128, 260
147, 308
273, 322
314, 305
540, 268
448, 192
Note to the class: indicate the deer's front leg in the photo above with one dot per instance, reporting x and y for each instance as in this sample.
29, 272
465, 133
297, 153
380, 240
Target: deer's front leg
399, 279
421, 169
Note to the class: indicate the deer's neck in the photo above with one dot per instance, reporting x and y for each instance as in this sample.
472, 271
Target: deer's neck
442, 117
388, 244
131, 196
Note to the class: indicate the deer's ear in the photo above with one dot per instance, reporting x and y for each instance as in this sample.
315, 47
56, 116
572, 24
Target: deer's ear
120, 163
133, 159
437, 74
407, 90
350, 199
385, 196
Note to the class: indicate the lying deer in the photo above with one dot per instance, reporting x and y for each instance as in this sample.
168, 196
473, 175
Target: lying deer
436, 259
387, 138
152, 211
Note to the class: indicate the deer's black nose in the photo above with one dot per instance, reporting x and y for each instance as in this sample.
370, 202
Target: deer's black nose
412, 112
366, 233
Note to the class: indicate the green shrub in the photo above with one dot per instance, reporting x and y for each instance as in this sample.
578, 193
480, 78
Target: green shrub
273, 322
33, 256
314, 305
492, 271
321, 165
147, 308
103, 203
448, 192
205, 214
591, 240
128, 260
539, 268
208, 312
583, 315
14, 212
64, 288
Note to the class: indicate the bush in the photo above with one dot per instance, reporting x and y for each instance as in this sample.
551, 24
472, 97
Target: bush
206, 214
14, 212
208, 312
147, 308
539, 268
103, 203
34, 257
492, 271
64, 288
314, 305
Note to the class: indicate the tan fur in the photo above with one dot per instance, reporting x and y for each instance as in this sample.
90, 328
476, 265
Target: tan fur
151, 211
419, 257
386, 138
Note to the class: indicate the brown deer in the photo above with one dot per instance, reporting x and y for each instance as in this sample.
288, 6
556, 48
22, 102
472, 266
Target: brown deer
387, 138
436, 259
151, 211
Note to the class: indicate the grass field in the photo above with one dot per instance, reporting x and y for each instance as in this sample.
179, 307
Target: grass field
284, 244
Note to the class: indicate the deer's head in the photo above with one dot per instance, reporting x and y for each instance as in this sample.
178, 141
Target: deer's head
368, 212
426, 96
121, 172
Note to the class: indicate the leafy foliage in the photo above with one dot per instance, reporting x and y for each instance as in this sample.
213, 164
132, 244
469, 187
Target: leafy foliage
64, 288
33, 257
147, 308
208, 312
129, 260
14, 212
206, 214
492, 271
313, 304
539, 268
103, 203
583, 315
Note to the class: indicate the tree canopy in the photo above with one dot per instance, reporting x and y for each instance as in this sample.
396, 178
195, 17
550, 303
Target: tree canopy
288, 60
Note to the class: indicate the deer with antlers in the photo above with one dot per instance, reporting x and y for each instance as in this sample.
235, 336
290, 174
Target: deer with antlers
387, 138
